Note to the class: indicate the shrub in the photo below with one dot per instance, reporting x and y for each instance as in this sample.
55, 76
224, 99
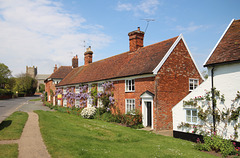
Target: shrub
88, 112
216, 143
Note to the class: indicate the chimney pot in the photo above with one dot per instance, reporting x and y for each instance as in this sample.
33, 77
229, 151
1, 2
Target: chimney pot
88, 56
55, 68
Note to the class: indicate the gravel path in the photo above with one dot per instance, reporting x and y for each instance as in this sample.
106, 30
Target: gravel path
31, 144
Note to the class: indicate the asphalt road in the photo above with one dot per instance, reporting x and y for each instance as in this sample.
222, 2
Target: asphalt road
8, 106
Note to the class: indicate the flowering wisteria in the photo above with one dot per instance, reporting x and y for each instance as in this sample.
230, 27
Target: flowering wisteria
82, 96
107, 87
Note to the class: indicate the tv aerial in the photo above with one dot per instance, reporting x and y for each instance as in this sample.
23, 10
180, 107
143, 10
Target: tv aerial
147, 20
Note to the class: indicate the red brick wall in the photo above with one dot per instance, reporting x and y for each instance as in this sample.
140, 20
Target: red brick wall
141, 85
49, 85
172, 83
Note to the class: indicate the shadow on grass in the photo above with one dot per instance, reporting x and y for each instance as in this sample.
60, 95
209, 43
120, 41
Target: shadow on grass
5, 124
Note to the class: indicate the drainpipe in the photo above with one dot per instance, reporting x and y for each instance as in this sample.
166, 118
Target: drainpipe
213, 102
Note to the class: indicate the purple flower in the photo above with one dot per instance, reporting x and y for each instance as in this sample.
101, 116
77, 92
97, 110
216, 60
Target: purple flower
99, 95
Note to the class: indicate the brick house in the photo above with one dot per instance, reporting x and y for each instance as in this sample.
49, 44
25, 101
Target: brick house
223, 64
57, 75
152, 78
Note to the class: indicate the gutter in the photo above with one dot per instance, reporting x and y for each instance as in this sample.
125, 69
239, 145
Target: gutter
213, 101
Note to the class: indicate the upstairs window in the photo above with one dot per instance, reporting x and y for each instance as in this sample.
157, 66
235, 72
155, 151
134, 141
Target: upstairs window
129, 85
130, 105
191, 116
193, 84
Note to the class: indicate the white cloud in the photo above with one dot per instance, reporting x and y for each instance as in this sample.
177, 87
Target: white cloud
191, 28
41, 33
148, 7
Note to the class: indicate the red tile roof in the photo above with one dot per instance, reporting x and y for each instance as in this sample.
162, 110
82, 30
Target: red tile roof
142, 61
61, 72
228, 49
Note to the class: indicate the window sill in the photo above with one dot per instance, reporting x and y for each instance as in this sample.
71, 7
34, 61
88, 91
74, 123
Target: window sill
129, 91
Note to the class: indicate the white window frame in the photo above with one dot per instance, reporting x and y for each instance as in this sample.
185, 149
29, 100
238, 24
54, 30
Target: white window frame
128, 103
191, 116
77, 103
77, 89
130, 86
64, 90
192, 82
90, 99
65, 102
99, 89
49, 98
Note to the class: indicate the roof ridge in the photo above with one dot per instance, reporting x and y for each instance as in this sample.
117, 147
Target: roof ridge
133, 51
158, 42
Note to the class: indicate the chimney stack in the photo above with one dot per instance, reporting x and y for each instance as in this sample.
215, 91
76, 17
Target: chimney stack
75, 61
88, 56
135, 39
55, 68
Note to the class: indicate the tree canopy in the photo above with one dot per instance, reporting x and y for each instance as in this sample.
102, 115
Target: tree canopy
5, 73
25, 84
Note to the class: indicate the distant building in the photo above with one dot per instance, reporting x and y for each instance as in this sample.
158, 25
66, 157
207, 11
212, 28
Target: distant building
32, 71
57, 76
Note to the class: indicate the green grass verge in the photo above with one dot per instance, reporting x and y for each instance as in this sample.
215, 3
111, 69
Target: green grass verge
37, 99
71, 136
12, 127
8, 150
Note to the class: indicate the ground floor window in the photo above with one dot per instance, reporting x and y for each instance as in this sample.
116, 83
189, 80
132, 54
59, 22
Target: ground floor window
77, 103
130, 105
89, 101
191, 116
64, 102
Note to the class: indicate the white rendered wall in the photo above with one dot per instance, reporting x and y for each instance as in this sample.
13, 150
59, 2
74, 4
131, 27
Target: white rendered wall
227, 80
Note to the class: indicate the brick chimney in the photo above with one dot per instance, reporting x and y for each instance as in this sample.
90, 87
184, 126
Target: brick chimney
75, 61
55, 68
88, 56
135, 39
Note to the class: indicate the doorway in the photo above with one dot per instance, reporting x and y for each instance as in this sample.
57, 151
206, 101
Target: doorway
149, 114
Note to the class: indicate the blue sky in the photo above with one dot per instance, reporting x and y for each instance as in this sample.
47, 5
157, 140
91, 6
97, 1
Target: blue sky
43, 33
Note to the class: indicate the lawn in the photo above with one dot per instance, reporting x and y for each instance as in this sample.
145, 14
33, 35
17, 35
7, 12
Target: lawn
9, 151
68, 135
12, 127
37, 99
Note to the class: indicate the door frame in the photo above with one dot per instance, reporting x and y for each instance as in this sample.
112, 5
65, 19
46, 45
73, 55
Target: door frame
144, 110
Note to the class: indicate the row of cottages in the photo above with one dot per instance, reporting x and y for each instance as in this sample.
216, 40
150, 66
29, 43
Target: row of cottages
223, 66
151, 79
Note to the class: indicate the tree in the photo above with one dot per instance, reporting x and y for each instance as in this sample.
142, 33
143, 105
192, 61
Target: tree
5, 73
41, 88
205, 74
25, 84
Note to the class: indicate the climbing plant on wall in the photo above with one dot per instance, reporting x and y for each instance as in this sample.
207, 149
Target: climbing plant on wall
224, 115
106, 96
